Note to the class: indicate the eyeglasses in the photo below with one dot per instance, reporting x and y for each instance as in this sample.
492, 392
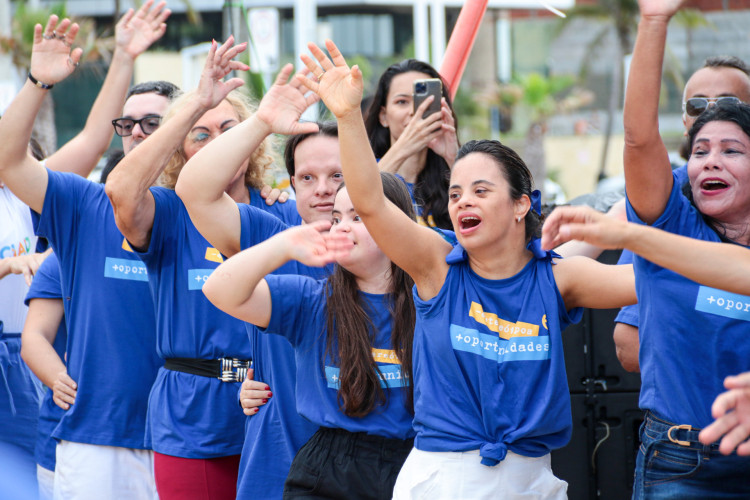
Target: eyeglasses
124, 126
697, 105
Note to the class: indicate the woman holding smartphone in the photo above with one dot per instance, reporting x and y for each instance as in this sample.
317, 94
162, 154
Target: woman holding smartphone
419, 149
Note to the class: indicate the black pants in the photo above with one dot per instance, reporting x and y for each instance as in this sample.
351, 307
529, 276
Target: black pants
338, 464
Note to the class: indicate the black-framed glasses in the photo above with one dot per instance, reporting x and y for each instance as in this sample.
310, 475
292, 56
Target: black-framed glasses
124, 126
697, 105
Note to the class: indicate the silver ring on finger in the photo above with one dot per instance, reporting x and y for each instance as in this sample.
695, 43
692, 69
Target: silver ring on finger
59, 35
72, 63
49, 37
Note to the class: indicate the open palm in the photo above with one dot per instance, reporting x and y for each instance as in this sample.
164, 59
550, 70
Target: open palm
283, 105
136, 31
52, 59
339, 87
212, 89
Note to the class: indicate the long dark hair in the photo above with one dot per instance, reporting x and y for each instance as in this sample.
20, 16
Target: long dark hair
349, 321
431, 188
515, 172
737, 113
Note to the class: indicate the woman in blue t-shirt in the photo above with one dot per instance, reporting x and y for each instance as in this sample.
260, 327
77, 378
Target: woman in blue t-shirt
352, 336
490, 389
691, 336
193, 424
420, 150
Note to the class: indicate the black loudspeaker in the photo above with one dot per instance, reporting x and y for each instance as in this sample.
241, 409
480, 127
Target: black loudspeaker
617, 420
599, 461
572, 463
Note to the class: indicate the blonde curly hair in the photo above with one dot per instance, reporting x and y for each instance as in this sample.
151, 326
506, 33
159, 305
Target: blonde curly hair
260, 160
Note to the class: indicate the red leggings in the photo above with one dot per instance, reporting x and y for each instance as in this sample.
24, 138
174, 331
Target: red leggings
196, 478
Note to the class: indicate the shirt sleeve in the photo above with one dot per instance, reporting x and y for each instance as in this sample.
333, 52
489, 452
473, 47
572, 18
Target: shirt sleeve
256, 225
297, 308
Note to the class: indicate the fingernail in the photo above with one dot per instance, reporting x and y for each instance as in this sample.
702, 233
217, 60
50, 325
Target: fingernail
255, 410
267, 388
270, 394
264, 400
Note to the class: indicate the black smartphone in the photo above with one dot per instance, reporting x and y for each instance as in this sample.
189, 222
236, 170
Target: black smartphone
425, 88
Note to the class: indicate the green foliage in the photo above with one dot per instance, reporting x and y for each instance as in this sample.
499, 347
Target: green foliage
542, 94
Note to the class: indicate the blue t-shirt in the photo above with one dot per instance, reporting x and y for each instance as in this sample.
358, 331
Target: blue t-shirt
191, 416
46, 285
691, 336
627, 314
489, 369
109, 315
275, 434
298, 313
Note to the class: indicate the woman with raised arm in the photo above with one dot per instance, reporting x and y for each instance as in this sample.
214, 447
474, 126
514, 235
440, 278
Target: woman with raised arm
194, 424
676, 313
490, 389
420, 150
352, 336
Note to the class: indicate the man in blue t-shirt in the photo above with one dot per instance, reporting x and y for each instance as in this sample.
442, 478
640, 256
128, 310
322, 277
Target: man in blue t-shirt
111, 360
276, 431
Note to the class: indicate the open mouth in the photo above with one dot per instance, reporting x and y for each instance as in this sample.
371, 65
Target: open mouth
470, 221
713, 185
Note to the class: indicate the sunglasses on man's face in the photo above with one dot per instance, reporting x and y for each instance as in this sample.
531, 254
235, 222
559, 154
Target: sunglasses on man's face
697, 105
124, 126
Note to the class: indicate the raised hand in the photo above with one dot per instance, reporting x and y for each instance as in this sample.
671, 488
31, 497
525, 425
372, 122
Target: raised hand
313, 246
212, 89
732, 413
338, 86
136, 31
284, 103
659, 8
420, 132
445, 143
52, 59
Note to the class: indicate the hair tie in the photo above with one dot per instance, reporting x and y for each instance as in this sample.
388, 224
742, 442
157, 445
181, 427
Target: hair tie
536, 202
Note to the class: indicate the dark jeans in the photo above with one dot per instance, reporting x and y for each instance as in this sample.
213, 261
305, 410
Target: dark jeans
338, 464
665, 469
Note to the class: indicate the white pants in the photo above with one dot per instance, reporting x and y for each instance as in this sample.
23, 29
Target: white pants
461, 476
92, 472
45, 478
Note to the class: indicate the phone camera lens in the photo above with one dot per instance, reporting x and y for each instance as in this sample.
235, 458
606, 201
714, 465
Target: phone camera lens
420, 88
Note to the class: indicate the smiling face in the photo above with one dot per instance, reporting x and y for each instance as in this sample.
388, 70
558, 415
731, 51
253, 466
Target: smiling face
317, 175
480, 204
135, 108
365, 258
719, 172
399, 104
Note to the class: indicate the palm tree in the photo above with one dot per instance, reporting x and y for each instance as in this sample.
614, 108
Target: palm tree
621, 17
542, 97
